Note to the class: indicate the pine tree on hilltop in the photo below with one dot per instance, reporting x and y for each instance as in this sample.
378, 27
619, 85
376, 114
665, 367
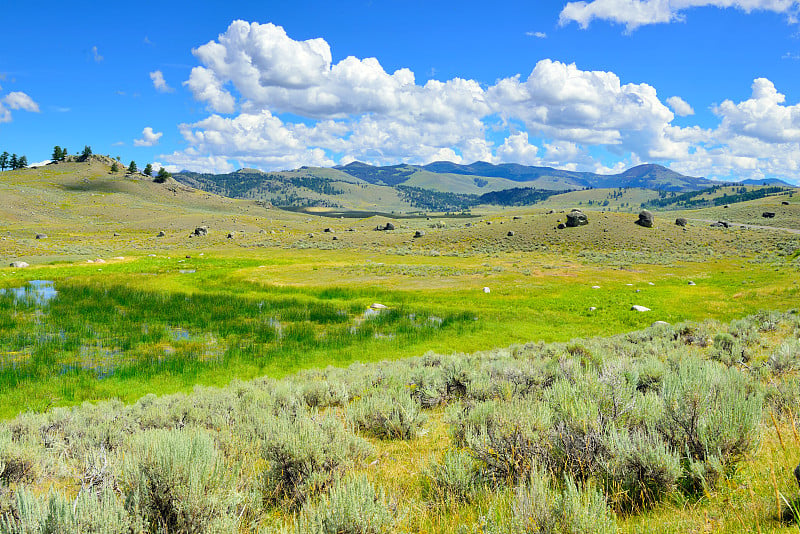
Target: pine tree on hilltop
148, 170
114, 167
87, 153
3, 161
13, 162
22, 162
162, 176
57, 154
132, 167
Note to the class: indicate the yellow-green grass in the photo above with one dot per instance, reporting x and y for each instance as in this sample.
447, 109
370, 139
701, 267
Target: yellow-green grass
532, 297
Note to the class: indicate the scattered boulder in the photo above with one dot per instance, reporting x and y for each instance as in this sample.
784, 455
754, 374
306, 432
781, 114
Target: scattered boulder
690, 283
561, 226
419, 233
161, 234
576, 218
681, 221
230, 235
378, 306
487, 290
19, 264
784, 203
516, 218
335, 238
660, 323
592, 308
328, 230
116, 234
725, 206
768, 214
645, 219
510, 233
200, 231
638, 308
41, 236
721, 224
388, 226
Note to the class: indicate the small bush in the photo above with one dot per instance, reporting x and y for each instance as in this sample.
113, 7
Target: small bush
453, 479
354, 507
55, 514
786, 358
508, 438
177, 482
540, 508
710, 412
387, 414
304, 456
641, 470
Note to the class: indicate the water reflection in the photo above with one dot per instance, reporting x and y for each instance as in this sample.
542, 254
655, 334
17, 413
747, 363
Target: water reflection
39, 292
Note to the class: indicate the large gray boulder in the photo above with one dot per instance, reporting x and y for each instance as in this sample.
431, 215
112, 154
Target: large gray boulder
681, 221
576, 218
645, 219
200, 230
19, 264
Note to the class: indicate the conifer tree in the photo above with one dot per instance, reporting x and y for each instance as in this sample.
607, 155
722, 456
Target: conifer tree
148, 170
132, 167
57, 154
3, 161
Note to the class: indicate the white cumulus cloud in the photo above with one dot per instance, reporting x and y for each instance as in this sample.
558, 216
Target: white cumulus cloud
680, 106
16, 100
635, 13
253, 77
149, 137
159, 82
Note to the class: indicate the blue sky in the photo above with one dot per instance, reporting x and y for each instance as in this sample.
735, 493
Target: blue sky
706, 87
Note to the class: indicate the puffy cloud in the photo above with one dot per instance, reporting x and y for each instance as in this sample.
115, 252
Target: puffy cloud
763, 116
149, 138
635, 13
159, 82
517, 149
16, 100
255, 75
206, 87
680, 106
562, 102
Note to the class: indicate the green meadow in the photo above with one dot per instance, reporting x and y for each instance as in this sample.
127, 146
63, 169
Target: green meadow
163, 325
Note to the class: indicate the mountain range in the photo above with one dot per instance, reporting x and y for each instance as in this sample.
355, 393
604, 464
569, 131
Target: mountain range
440, 186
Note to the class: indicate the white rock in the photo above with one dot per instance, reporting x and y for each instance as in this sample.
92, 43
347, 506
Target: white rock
660, 323
638, 308
692, 283
595, 287
19, 264
650, 284
378, 306
593, 308
487, 290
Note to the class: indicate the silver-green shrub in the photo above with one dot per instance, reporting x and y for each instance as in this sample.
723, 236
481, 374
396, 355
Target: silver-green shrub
454, 478
710, 412
387, 414
176, 481
55, 514
304, 454
641, 469
539, 507
351, 507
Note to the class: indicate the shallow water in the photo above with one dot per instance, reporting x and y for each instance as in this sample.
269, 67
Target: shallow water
38, 292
